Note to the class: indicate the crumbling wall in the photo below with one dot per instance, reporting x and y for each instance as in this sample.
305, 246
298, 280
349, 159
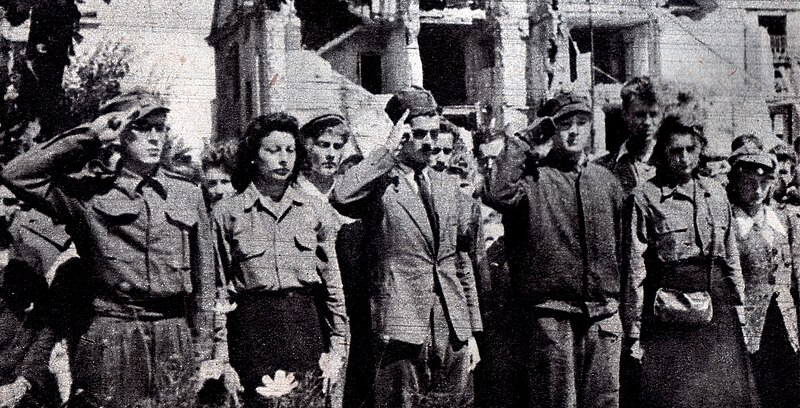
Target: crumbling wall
711, 55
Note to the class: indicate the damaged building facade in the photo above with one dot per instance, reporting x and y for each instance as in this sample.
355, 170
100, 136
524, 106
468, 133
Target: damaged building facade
491, 63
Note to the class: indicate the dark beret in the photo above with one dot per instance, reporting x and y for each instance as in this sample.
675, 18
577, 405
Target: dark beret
418, 101
314, 126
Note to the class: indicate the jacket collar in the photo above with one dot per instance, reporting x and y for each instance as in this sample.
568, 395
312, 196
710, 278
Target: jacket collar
131, 183
292, 196
554, 162
685, 190
308, 187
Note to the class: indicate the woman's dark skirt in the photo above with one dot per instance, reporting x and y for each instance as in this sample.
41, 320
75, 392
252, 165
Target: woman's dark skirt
704, 367
270, 331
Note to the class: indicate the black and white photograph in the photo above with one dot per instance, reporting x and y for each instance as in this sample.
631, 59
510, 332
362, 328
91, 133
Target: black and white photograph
399, 203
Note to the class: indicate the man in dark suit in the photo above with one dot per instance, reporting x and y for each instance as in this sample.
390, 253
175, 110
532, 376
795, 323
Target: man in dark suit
419, 225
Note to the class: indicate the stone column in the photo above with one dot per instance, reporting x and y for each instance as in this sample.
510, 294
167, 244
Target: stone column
402, 60
270, 60
509, 20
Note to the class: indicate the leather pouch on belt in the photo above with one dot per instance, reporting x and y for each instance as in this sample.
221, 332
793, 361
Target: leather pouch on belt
683, 308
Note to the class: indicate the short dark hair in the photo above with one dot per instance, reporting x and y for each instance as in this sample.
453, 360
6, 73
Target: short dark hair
258, 129
221, 155
642, 88
675, 125
747, 138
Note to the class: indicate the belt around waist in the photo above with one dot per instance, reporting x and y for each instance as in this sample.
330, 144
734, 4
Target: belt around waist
148, 310
687, 275
276, 294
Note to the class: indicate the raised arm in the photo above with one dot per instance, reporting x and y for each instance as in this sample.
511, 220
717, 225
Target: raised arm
504, 189
31, 175
353, 193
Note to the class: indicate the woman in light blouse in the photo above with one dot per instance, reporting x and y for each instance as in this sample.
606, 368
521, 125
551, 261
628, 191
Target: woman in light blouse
276, 253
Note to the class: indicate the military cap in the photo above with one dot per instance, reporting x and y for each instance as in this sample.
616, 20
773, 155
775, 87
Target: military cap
565, 103
314, 126
751, 155
146, 103
418, 101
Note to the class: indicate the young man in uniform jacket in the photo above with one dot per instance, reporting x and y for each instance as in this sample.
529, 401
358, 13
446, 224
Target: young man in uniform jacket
424, 301
144, 236
562, 217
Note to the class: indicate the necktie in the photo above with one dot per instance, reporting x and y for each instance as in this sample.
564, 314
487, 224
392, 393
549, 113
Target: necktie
430, 208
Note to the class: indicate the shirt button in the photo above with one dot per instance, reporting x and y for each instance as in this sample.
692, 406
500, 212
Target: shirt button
124, 286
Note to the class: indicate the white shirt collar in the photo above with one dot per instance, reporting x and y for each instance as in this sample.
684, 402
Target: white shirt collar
765, 217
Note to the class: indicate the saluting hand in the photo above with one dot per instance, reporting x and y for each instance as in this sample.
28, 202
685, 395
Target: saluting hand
108, 127
399, 133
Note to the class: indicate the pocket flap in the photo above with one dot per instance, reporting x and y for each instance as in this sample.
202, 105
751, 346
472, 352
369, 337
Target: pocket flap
184, 217
249, 249
670, 226
118, 207
305, 242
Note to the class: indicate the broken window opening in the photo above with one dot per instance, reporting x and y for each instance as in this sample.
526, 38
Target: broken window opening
610, 52
776, 28
371, 73
441, 49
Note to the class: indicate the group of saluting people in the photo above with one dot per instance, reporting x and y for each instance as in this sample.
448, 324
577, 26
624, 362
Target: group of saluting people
285, 267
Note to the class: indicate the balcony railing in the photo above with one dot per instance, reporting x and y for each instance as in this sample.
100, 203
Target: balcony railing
778, 45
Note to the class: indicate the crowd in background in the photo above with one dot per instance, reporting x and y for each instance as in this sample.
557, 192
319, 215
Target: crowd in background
432, 271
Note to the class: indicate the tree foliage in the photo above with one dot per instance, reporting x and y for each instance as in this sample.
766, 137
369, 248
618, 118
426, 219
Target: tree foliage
94, 77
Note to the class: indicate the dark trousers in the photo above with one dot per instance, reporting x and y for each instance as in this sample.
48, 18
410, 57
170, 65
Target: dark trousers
123, 363
776, 366
435, 373
573, 361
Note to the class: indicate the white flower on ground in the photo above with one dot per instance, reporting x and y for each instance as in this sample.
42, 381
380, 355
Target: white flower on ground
283, 383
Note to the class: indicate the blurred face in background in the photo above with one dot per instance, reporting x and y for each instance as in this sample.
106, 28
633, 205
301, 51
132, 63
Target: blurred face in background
785, 173
487, 155
218, 184
442, 152
325, 152
642, 119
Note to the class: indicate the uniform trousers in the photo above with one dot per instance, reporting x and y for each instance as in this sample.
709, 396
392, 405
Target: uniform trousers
573, 361
124, 363
434, 373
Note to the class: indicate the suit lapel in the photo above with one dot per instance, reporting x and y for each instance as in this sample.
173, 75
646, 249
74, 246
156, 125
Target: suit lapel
410, 201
